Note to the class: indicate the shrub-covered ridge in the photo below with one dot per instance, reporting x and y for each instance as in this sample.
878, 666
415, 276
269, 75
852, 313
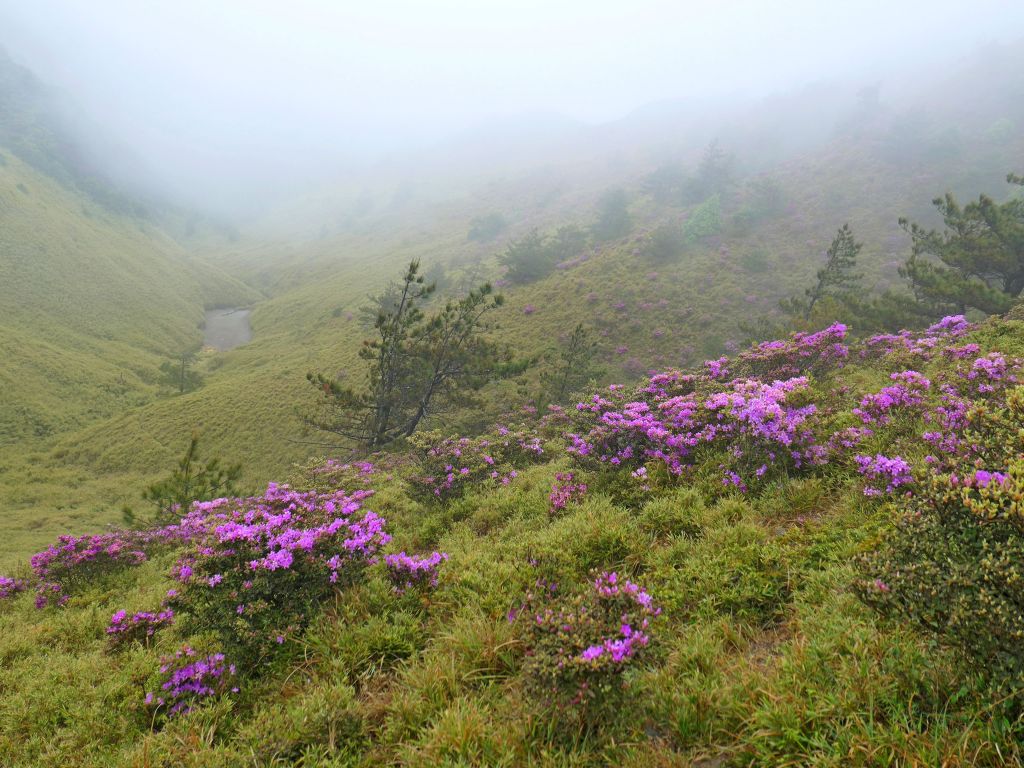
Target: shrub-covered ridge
787, 511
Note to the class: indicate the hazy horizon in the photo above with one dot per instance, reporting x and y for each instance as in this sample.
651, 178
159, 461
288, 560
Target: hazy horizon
217, 99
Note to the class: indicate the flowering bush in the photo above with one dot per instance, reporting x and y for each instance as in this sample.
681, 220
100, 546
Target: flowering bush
10, 587
190, 679
920, 346
990, 374
678, 420
954, 562
257, 568
407, 572
76, 560
566, 490
141, 626
908, 392
881, 470
448, 466
800, 354
578, 647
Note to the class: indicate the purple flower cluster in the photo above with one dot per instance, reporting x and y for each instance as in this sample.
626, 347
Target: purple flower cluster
191, 679
407, 572
281, 525
74, 560
629, 639
983, 478
799, 354
139, 626
991, 373
920, 345
893, 472
908, 392
577, 645
449, 466
759, 424
566, 490
10, 587
255, 568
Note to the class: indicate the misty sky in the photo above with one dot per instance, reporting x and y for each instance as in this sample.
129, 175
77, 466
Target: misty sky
216, 84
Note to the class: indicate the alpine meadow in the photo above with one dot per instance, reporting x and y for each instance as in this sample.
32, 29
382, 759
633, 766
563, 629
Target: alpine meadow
511, 384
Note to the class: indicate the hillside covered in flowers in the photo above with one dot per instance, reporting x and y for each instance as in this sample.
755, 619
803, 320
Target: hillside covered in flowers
806, 553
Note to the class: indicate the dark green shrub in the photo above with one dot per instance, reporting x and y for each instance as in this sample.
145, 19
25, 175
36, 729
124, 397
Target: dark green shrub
954, 562
705, 220
579, 646
664, 244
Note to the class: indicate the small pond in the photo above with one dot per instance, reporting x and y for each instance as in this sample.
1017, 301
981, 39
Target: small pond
227, 328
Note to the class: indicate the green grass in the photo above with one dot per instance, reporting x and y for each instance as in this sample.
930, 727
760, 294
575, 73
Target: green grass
762, 655
99, 301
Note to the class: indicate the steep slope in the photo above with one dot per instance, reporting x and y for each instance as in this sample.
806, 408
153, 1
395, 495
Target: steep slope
582, 612
93, 303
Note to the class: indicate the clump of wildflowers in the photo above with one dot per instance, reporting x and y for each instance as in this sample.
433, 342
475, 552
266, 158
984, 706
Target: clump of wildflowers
678, 420
565, 491
801, 353
190, 679
257, 568
990, 374
141, 626
10, 587
407, 572
884, 474
908, 392
916, 345
448, 466
76, 560
579, 646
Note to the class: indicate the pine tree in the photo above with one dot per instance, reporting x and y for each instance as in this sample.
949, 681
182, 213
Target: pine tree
180, 373
418, 366
192, 480
838, 279
976, 262
573, 368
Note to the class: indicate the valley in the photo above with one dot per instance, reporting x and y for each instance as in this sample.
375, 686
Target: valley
689, 437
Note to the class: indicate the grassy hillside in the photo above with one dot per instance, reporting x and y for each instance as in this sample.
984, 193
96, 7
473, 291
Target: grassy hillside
761, 646
646, 314
93, 303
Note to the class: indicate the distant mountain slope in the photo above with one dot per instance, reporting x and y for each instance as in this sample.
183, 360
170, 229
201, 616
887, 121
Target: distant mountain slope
93, 302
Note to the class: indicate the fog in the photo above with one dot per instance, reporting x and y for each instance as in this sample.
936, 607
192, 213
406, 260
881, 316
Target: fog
234, 104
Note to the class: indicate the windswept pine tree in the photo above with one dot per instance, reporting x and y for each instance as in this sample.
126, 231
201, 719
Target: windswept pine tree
977, 262
419, 366
838, 280
573, 367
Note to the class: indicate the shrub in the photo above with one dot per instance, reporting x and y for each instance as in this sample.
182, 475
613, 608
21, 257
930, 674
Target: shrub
954, 562
75, 561
448, 466
760, 427
675, 515
258, 568
663, 244
578, 647
566, 490
881, 470
613, 219
407, 572
705, 220
139, 627
10, 587
190, 679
